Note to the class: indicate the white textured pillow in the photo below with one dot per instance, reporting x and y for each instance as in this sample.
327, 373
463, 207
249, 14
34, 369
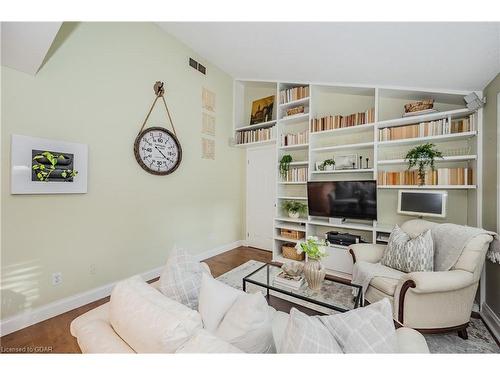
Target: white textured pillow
204, 342
148, 321
307, 334
409, 255
181, 278
215, 300
247, 324
364, 330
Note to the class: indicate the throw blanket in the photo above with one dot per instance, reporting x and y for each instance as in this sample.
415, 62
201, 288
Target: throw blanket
363, 272
451, 239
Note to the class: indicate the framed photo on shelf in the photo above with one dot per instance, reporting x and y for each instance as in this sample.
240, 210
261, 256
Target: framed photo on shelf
349, 161
262, 110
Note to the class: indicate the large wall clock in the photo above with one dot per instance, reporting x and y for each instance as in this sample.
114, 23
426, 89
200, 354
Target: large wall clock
156, 149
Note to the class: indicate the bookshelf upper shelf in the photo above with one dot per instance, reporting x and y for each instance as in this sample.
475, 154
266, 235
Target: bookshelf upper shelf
437, 138
456, 113
257, 126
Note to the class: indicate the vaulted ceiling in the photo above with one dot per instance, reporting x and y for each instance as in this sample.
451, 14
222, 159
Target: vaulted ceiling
461, 56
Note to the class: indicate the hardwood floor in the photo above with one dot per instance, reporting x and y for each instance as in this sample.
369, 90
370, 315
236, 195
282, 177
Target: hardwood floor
53, 336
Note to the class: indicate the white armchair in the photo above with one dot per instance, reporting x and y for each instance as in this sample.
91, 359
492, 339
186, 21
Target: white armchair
431, 302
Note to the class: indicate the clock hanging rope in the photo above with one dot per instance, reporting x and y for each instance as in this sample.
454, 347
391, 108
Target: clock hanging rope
156, 149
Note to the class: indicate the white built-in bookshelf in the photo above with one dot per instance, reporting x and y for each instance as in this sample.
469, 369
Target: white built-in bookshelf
460, 150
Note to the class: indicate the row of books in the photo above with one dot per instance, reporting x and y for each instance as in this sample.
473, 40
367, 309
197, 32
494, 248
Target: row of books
286, 281
296, 174
257, 135
338, 121
295, 139
431, 128
294, 93
440, 176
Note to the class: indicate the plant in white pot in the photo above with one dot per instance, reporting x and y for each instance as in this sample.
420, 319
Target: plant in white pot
294, 208
329, 165
314, 271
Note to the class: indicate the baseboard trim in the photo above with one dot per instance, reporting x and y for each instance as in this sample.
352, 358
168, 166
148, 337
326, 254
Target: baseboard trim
491, 320
39, 314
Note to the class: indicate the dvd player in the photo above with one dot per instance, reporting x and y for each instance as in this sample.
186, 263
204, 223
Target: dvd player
342, 239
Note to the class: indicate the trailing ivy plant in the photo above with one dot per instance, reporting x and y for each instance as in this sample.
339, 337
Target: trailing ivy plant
422, 156
285, 165
46, 165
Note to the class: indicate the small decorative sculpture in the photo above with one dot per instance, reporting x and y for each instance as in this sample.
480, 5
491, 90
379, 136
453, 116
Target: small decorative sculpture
367, 159
293, 268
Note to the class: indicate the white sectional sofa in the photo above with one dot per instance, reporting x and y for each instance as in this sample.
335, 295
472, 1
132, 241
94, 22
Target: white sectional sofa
95, 334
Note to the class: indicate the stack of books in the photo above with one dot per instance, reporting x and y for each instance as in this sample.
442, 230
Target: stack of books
294, 93
295, 139
338, 121
258, 135
286, 281
296, 174
440, 176
426, 129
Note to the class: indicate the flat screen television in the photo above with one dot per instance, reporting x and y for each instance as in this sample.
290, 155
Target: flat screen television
343, 199
430, 203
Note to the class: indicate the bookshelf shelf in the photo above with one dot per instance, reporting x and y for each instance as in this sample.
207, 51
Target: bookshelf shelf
255, 144
347, 130
293, 198
444, 137
442, 187
445, 159
344, 147
457, 113
290, 220
295, 118
257, 126
370, 170
291, 226
354, 226
295, 102
284, 239
295, 147
296, 163
292, 183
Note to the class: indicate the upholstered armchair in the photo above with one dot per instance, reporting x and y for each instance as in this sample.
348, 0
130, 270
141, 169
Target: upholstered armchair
431, 302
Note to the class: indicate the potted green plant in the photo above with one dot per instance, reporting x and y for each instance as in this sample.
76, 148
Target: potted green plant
315, 249
294, 208
422, 156
329, 165
285, 165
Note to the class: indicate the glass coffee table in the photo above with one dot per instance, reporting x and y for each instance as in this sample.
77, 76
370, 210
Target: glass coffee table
335, 294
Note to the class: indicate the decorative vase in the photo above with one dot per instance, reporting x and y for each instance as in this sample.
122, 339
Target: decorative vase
293, 215
314, 273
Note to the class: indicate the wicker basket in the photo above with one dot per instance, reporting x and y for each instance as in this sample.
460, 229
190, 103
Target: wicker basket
289, 251
419, 105
292, 234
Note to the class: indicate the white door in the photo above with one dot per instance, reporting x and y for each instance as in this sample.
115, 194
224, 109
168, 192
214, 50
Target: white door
261, 187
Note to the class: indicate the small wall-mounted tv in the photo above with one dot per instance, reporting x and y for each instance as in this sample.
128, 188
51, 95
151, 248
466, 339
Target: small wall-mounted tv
343, 199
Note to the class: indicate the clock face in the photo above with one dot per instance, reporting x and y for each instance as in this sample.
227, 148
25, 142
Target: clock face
158, 151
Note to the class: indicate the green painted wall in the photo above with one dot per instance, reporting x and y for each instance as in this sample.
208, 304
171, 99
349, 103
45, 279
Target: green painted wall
96, 88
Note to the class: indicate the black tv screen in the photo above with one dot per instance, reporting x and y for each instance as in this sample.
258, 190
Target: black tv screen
343, 199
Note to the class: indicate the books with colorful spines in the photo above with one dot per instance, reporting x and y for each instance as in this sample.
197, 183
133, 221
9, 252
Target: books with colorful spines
284, 280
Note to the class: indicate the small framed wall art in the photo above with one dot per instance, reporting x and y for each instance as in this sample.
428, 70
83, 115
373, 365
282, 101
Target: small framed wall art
44, 166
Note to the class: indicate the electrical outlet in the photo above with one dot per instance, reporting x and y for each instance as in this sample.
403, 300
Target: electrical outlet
56, 278
92, 269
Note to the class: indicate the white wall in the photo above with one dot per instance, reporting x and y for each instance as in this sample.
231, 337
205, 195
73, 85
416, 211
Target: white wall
96, 89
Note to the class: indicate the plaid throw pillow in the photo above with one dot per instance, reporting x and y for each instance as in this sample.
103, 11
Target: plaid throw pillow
409, 255
181, 278
307, 334
364, 330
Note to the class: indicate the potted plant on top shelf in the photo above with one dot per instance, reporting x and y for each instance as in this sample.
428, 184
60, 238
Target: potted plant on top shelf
329, 165
294, 208
422, 156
